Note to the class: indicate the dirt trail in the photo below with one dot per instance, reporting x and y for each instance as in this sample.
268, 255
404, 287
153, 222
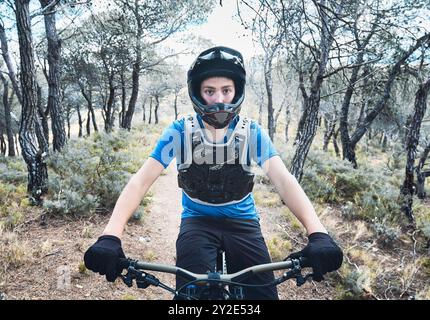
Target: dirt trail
161, 224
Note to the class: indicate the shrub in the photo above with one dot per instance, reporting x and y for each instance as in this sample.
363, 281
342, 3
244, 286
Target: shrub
89, 174
368, 192
422, 218
13, 170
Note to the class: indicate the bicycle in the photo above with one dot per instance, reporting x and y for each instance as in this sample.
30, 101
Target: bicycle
216, 285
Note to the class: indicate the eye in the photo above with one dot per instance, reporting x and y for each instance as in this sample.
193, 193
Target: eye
209, 92
227, 91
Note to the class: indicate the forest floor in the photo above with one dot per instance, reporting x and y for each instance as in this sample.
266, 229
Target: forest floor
54, 252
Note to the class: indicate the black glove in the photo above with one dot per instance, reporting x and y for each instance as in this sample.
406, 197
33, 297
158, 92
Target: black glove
103, 257
323, 253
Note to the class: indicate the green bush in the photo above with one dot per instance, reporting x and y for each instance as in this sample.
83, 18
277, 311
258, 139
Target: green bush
369, 192
89, 174
13, 170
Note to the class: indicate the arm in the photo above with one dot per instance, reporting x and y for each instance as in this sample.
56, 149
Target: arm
292, 194
132, 195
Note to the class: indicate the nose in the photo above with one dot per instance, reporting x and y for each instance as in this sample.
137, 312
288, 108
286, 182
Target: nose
218, 97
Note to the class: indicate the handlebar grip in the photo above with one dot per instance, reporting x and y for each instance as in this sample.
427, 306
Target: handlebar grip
124, 263
305, 262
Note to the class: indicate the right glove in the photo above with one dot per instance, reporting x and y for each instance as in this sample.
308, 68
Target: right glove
323, 253
104, 257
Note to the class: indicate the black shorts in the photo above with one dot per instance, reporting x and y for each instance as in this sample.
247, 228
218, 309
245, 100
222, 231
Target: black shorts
201, 238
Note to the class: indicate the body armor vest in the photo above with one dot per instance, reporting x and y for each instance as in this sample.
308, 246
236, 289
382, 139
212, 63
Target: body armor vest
215, 173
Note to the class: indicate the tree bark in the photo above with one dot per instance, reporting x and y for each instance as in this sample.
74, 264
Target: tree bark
328, 132
109, 110
55, 105
308, 130
175, 104
43, 114
269, 91
407, 189
8, 118
309, 120
33, 151
9, 64
347, 151
136, 71
383, 100
80, 121
157, 104
335, 146
421, 175
123, 100
287, 122
91, 115
150, 110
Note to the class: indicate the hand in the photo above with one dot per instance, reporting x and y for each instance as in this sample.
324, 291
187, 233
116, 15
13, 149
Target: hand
323, 253
103, 257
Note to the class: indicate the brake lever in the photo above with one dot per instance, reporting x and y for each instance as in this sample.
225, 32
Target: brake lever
143, 279
301, 280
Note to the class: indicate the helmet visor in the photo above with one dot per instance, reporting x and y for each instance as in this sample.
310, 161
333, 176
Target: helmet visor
219, 54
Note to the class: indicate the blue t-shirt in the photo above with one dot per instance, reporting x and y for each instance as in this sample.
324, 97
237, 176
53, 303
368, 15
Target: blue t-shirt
171, 143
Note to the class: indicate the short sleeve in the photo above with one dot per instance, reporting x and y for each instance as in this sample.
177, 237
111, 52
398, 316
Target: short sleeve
261, 146
169, 143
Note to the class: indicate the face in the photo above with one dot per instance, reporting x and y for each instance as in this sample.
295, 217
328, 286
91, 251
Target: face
217, 90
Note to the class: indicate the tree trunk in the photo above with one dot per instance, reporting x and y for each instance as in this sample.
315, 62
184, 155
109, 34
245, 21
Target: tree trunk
91, 115
150, 110
157, 104
336, 147
2, 143
383, 100
8, 118
135, 73
407, 189
308, 130
68, 121
287, 122
55, 106
328, 132
9, 64
43, 114
260, 111
80, 121
33, 152
348, 152
88, 125
269, 90
109, 116
123, 100
175, 105
421, 175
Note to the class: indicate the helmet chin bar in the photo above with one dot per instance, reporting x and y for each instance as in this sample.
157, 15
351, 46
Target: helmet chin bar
218, 115
218, 119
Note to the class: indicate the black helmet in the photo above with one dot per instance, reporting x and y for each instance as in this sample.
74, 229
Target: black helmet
217, 62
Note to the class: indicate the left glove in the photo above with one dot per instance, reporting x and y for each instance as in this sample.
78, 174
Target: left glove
323, 253
104, 257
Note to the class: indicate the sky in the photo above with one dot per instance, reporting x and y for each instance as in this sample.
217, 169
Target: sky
221, 28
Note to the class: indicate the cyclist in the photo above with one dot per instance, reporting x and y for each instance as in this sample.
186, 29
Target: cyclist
214, 149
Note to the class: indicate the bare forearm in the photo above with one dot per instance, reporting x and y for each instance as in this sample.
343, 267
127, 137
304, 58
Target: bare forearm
132, 195
293, 195
126, 205
296, 200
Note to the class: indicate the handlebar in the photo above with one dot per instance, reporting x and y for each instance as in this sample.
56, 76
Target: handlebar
294, 264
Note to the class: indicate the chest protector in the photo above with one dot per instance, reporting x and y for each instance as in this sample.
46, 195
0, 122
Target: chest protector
215, 173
